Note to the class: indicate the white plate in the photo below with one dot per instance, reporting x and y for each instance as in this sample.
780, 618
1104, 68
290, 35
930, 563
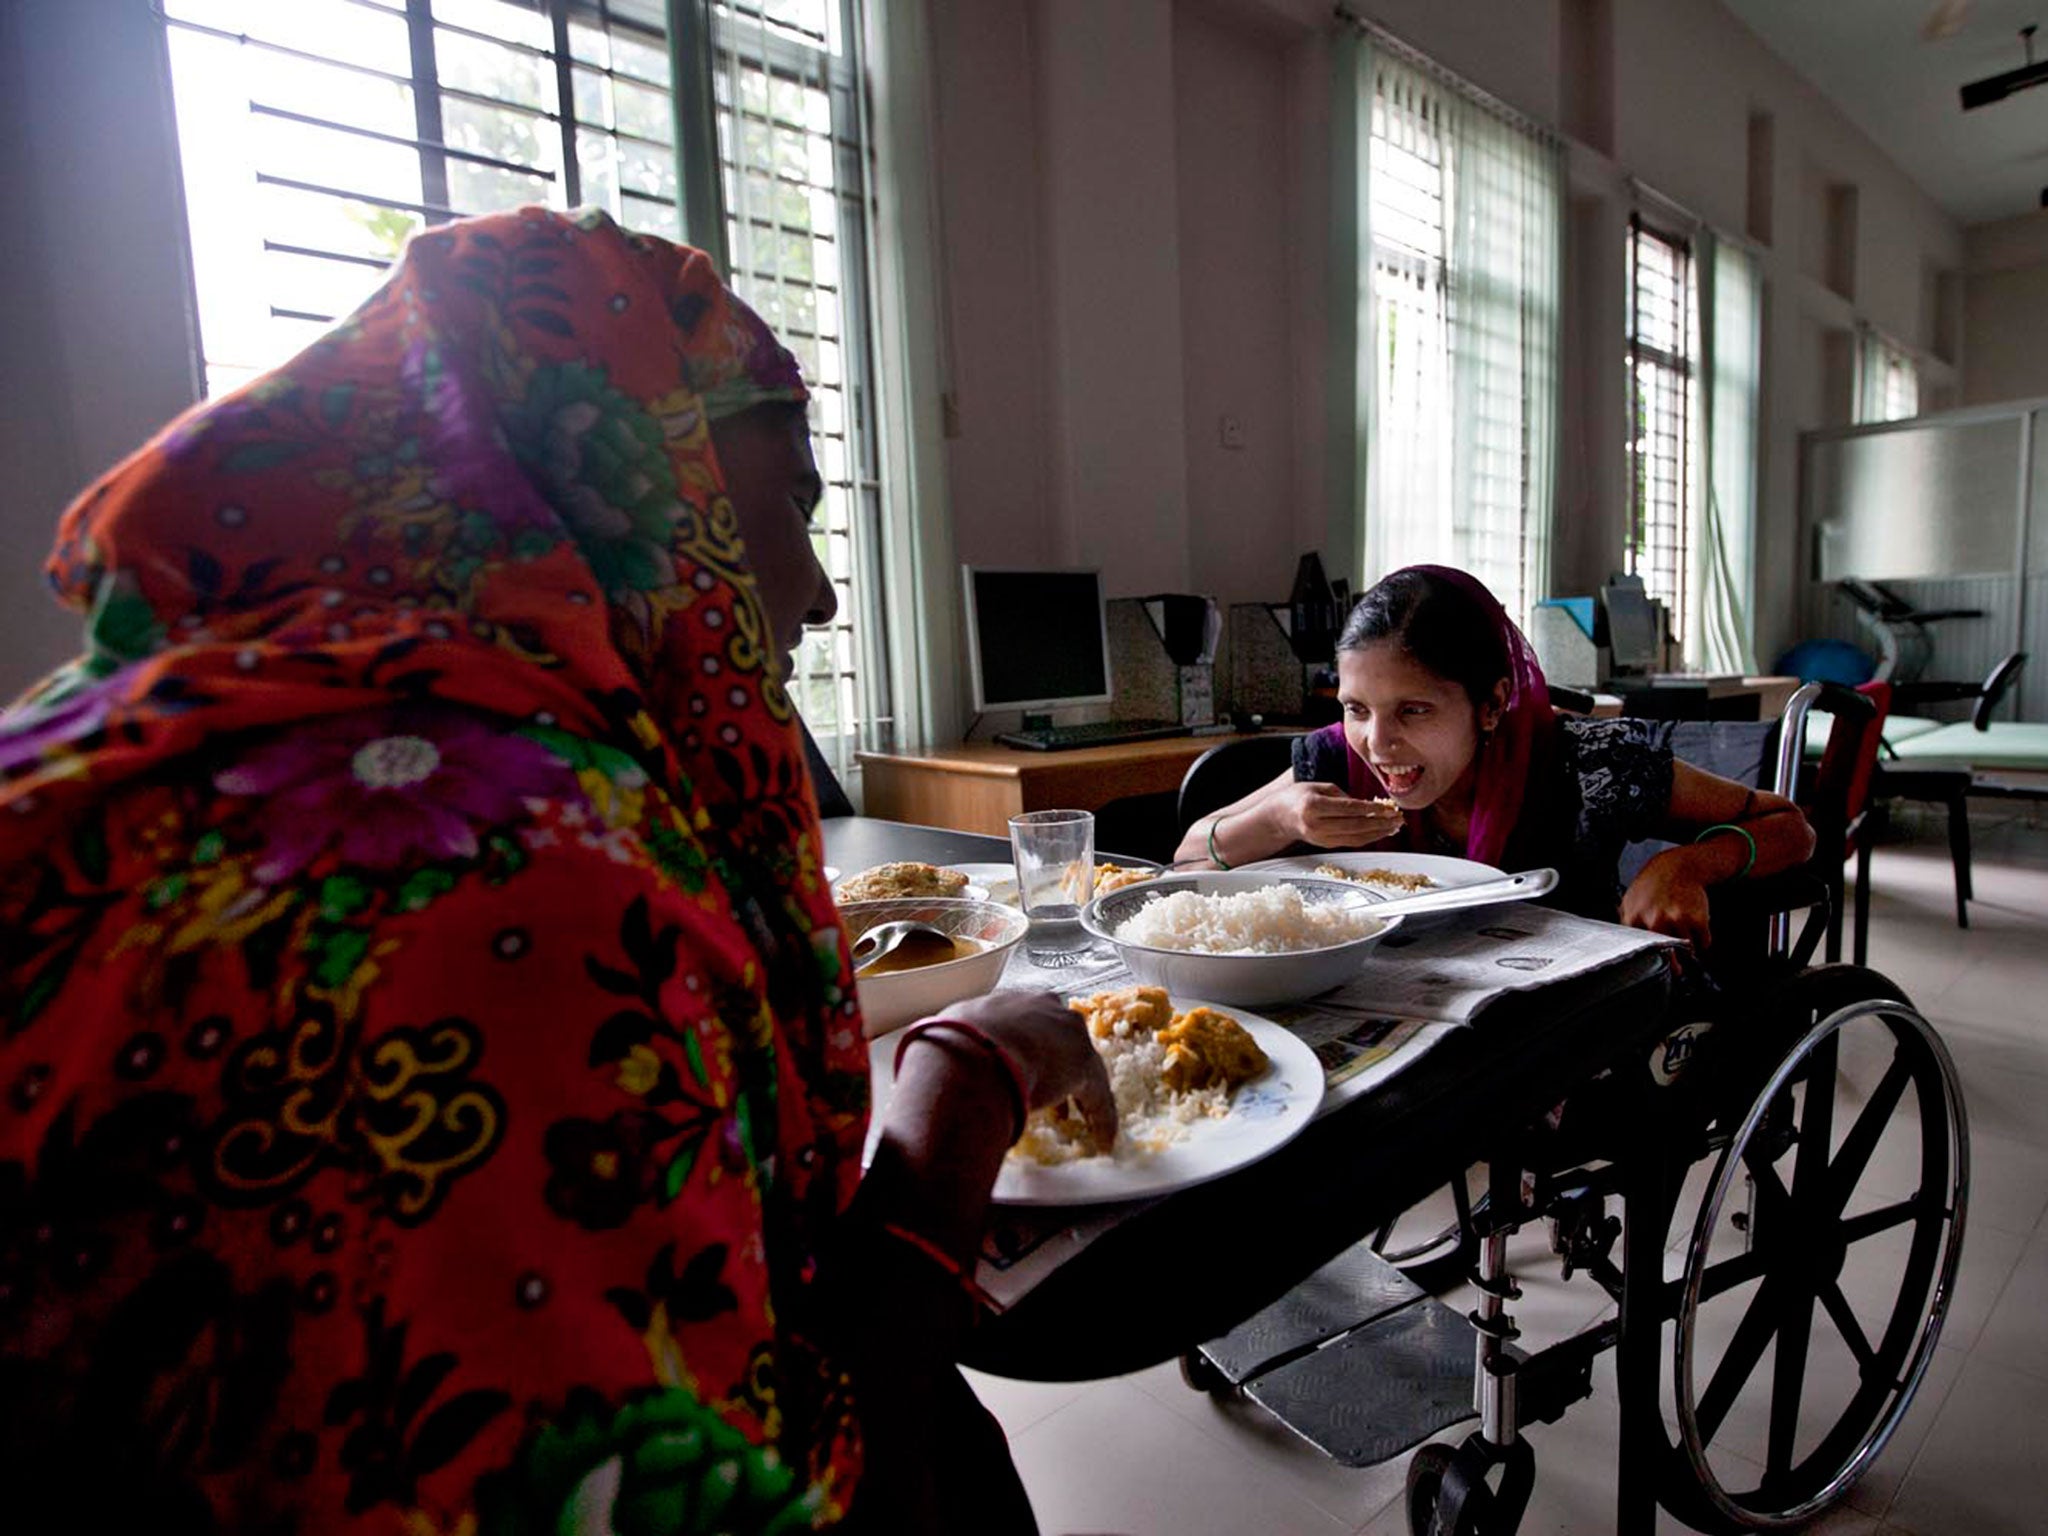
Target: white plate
831, 875
1265, 1114
1000, 880
1448, 873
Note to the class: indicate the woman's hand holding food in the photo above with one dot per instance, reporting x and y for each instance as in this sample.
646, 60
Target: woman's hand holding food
1049, 1043
952, 1113
1326, 816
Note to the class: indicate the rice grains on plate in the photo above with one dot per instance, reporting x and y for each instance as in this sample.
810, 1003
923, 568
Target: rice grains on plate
1272, 920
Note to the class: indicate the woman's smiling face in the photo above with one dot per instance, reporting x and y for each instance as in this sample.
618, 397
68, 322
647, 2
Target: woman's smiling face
1420, 732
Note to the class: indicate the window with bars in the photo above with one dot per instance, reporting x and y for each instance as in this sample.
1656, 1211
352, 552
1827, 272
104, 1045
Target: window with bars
316, 136
1662, 348
1887, 379
1462, 215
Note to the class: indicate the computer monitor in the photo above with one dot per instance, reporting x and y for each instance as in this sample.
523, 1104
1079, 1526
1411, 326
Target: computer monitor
1036, 639
1631, 626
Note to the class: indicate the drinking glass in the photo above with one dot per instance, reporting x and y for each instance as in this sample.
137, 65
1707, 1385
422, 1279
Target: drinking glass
1055, 853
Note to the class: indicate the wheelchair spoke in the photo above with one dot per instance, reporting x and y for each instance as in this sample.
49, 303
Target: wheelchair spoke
1744, 1351
1844, 1319
1854, 1154
1788, 1380
1856, 1228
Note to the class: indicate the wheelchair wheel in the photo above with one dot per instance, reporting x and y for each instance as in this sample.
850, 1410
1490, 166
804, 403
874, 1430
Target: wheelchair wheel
1821, 1266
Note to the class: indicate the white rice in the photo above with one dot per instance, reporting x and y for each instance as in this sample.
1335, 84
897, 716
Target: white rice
1272, 920
1149, 1114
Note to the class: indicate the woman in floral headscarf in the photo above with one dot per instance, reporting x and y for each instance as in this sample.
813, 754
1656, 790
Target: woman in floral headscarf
431, 1086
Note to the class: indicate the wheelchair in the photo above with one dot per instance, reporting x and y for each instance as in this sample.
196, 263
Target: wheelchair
1791, 1167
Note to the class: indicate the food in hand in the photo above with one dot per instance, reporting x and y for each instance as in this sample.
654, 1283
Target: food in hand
1167, 1071
904, 878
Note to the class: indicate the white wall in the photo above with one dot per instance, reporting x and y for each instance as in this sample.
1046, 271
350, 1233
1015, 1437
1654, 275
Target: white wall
2005, 311
1135, 202
1231, 136
96, 348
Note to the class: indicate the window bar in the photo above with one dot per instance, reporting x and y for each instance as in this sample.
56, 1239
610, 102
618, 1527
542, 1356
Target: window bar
426, 109
565, 100
266, 110
438, 213
379, 262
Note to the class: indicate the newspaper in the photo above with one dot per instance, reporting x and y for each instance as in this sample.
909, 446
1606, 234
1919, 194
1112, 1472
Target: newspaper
1421, 986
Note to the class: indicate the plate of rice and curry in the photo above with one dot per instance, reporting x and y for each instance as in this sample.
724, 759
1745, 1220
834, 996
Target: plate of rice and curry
1200, 1091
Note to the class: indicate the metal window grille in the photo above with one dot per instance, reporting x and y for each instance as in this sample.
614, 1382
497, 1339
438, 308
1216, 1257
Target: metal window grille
1411, 448
793, 162
1660, 376
1887, 379
316, 136
1450, 463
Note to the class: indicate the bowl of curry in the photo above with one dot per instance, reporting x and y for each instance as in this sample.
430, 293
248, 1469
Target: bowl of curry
922, 979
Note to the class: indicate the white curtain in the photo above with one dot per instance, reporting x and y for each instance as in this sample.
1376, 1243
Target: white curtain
1459, 248
1720, 634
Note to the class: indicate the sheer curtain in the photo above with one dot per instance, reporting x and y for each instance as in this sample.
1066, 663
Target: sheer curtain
1719, 629
1457, 265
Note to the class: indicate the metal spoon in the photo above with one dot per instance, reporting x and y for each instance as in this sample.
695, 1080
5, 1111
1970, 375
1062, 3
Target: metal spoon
884, 939
1522, 887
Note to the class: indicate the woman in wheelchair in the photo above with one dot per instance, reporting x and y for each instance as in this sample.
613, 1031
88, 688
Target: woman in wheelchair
1449, 745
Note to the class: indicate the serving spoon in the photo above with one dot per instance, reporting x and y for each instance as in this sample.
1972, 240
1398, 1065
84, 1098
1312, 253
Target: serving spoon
884, 939
1523, 887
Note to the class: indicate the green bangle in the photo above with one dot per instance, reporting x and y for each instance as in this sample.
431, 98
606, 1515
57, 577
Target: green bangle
1741, 832
1214, 857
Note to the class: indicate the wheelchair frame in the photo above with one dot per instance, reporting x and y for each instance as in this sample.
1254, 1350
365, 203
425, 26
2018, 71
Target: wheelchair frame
1746, 1098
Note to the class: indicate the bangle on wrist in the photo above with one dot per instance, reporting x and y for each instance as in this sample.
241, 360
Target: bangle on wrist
962, 1274
1741, 832
1013, 1074
1214, 857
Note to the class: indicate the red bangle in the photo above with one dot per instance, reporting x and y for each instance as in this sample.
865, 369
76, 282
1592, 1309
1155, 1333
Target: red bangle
945, 1261
1014, 1074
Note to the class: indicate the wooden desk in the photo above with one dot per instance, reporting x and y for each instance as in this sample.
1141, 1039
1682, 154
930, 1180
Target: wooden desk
979, 786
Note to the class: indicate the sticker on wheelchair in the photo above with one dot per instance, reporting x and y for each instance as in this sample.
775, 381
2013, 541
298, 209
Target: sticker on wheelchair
1674, 1052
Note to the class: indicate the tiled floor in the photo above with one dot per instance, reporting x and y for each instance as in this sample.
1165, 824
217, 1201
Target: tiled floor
1145, 1456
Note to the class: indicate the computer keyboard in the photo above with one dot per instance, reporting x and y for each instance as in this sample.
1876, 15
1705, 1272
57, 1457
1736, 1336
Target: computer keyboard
1099, 733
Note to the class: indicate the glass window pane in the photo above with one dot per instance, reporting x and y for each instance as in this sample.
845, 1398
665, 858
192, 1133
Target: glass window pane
486, 69
515, 136
474, 188
514, 23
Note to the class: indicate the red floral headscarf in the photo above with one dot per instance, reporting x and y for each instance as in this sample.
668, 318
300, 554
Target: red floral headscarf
428, 1060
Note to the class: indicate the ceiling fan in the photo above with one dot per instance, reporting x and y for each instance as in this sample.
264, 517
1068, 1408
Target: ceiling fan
1982, 93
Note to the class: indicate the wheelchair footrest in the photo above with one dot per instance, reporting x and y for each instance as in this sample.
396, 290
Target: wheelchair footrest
1374, 1392
1355, 1287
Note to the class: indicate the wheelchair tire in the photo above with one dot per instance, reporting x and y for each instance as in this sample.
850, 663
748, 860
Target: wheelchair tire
1807, 1225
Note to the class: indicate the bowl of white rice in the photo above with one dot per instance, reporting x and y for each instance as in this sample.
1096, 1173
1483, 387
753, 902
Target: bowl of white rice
1243, 940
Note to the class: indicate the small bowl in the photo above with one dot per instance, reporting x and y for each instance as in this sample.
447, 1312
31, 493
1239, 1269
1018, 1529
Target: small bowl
896, 998
1239, 981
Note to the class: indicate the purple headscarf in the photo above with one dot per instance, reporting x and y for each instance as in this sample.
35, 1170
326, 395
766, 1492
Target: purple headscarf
1509, 756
